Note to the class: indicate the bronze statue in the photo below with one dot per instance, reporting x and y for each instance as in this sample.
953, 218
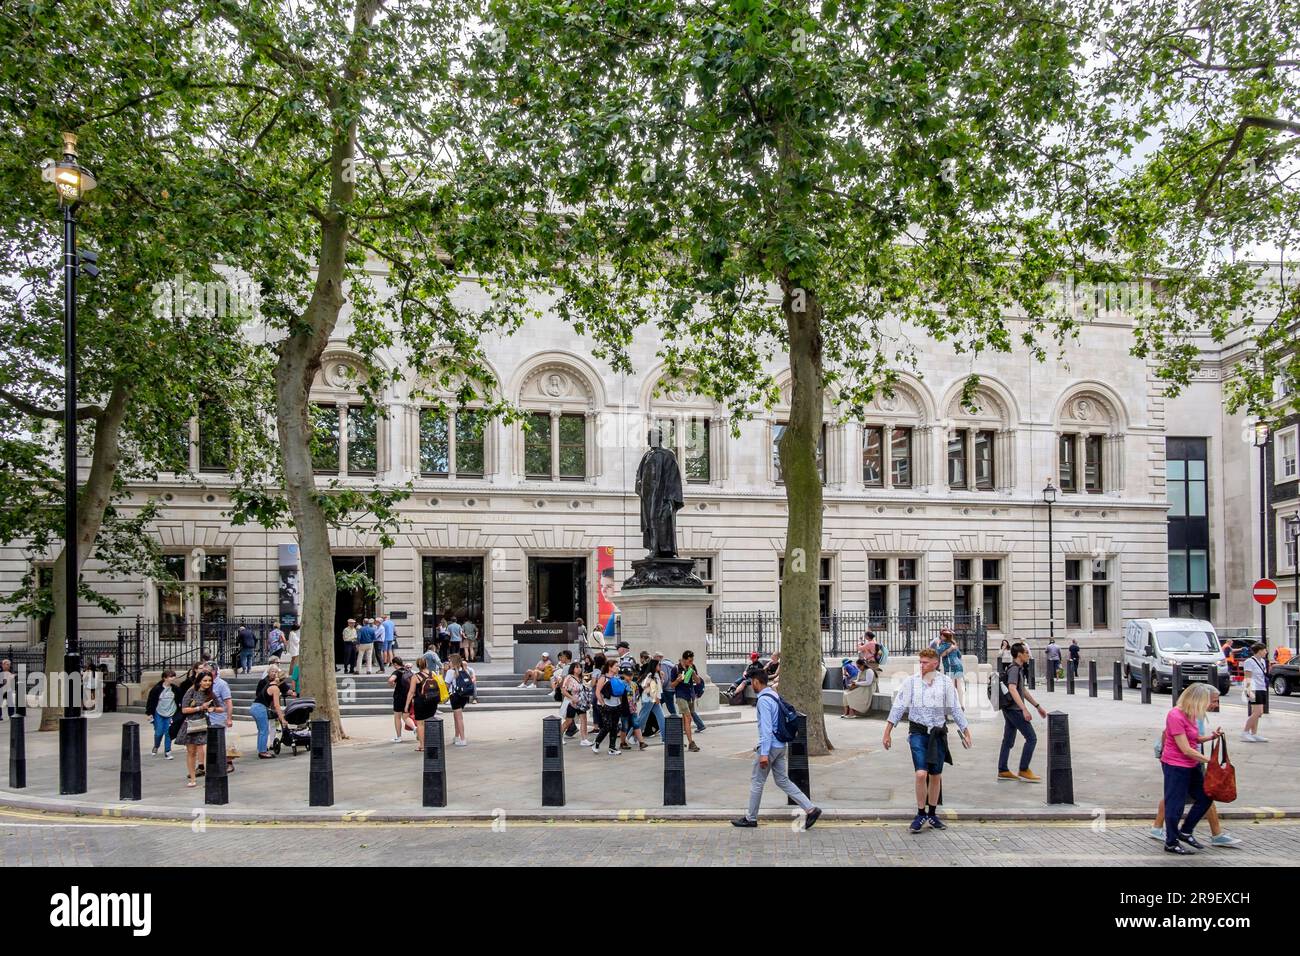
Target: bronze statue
659, 486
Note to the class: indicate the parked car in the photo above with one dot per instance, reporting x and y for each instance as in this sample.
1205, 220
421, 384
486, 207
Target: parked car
1284, 678
1165, 641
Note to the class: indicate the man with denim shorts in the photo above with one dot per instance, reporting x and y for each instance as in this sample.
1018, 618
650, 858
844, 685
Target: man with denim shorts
928, 699
683, 686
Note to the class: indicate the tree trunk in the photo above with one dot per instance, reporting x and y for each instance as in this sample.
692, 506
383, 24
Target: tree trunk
93, 500
299, 361
801, 636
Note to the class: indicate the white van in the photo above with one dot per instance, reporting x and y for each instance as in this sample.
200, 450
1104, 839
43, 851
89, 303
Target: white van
1165, 641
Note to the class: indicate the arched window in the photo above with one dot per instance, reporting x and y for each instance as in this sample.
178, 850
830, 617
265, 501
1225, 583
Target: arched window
452, 440
895, 438
555, 442
347, 438
692, 426
980, 442
829, 441
1090, 442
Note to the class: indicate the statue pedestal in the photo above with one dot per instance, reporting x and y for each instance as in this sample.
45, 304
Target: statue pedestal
668, 621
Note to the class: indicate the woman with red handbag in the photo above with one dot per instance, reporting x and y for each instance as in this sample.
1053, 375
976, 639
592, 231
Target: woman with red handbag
1218, 836
1183, 765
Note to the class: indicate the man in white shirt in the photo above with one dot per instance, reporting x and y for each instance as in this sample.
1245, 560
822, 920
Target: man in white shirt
928, 698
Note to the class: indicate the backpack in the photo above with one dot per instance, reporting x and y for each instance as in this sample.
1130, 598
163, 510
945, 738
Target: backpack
882, 654
464, 684
787, 720
999, 693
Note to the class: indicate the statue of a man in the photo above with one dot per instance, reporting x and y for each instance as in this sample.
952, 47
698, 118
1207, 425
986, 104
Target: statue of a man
659, 485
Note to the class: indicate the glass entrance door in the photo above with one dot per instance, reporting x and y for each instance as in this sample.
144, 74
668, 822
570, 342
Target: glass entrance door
453, 587
557, 589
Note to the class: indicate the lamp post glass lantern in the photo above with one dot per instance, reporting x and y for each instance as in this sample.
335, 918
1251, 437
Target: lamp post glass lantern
1049, 496
72, 181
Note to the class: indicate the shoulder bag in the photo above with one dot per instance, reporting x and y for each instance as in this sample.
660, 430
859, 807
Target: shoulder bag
1220, 776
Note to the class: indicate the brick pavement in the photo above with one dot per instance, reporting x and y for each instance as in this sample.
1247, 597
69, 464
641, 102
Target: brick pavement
34, 840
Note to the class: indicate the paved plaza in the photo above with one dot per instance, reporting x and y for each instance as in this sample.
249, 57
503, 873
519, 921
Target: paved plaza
33, 839
498, 775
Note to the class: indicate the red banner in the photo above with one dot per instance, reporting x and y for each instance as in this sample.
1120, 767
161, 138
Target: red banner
608, 587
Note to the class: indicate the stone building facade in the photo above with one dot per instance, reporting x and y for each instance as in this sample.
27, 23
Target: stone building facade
928, 506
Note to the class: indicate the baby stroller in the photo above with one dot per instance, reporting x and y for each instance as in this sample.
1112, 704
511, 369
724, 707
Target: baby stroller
294, 733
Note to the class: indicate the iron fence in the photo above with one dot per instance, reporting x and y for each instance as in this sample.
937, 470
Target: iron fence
737, 634
155, 645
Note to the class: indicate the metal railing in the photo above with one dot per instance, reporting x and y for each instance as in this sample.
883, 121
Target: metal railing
737, 634
153, 645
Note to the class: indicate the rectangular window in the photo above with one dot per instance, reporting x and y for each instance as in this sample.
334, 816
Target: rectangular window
1100, 594
1065, 458
907, 600
1198, 571
900, 458
704, 571
877, 569
470, 426
961, 568
957, 460
824, 586
326, 441
1289, 543
1176, 487
363, 440
537, 446
573, 447
891, 590
1074, 593
962, 595
873, 456
1286, 464
435, 444
993, 605
696, 450
1092, 464
214, 444
779, 429
984, 460
907, 569
666, 429
877, 601
1178, 572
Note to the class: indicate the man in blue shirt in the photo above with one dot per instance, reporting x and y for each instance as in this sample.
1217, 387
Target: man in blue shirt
769, 756
366, 646
390, 638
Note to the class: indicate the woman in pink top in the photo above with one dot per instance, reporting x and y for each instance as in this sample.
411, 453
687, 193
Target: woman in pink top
1183, 766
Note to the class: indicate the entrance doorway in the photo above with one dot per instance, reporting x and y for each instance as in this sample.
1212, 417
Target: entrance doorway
557, 589
453, 587
354, 603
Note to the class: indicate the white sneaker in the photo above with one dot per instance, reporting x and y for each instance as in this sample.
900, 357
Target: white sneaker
155, 752
521, 684
1260, 740
1249, 738
584, 742
397, 740
460, 743
167, 756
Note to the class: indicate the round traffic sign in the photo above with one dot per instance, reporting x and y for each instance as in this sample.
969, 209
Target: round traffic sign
1265, 591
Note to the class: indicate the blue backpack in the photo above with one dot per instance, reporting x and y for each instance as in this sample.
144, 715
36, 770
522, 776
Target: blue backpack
787, 721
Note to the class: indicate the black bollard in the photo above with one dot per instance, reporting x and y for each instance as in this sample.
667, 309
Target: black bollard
216, 784
1146, 683
1176, 684
1069, 677
320, 786
17, 754
552, 763
796, 763
674, 763
435, 764
72, 755
1060, 775
1050, 671
1117, 681
129, 788
1033, 680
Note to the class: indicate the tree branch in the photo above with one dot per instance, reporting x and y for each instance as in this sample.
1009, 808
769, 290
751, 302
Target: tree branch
84, 413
